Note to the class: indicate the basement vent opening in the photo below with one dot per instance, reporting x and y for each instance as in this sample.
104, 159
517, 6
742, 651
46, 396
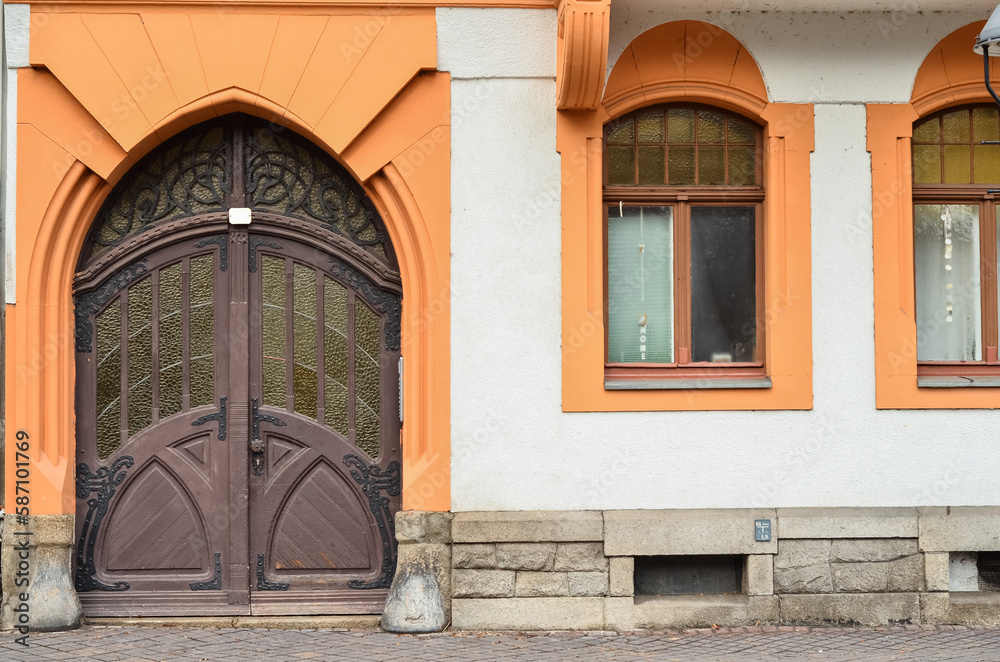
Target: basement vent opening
688, 575
988, 566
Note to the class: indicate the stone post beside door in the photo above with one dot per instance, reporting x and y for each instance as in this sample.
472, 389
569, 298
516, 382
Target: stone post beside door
420, 596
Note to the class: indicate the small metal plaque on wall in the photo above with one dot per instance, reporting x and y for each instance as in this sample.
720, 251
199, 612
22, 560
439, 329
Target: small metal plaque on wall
762, 530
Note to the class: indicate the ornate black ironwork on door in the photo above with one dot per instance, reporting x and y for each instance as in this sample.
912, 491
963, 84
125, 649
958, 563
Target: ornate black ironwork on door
373, 482
103, 481
262, 583
90, 303
219, 416
215, 584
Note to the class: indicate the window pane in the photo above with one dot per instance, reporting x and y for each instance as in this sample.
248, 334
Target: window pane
651, 165
928, 132
711, 164
741, 132
711, 127
273, 329
742, 165
987, 164
335, 354
926, 164
621, 131
109, 379
984, 124
621, 166
367, 336
651, 129
681, 165
202, 330
640, 285
956, 127
957, 164
723, 284
171, 339
680, 125
946, 253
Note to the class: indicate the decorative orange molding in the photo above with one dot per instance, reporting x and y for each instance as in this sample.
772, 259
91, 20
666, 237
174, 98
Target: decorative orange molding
694, 62
582, 53
272, 6
73, 145
950, 75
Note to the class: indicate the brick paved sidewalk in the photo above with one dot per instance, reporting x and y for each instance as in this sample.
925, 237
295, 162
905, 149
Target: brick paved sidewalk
923, 643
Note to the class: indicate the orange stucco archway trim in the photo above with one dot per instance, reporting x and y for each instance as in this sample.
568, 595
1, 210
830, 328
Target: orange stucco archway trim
950, 75
68, 158
695, 62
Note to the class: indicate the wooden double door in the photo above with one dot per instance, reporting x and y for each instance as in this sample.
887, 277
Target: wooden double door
238, 426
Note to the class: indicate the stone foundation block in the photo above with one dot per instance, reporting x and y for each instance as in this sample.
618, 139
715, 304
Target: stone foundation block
861, 551
580, 557
698, 611
482, 583
619, 614
541, 585
965, 528
847, 523
801, 554
621, 576
528, 526
863, 609
474, 556
528, 614
810, 579
860, 577
906, 575
936, 570
52, 601
588, 584
526, 556
759, 578
417, 526
973, 609
653, 532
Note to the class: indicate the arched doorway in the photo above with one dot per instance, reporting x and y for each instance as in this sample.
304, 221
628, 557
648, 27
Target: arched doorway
238, 308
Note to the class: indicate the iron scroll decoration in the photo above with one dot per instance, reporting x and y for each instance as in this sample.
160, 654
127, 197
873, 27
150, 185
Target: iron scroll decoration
374, 481
193, 173
87, 305
103, 482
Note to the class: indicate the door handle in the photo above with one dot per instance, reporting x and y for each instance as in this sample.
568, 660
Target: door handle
256, 443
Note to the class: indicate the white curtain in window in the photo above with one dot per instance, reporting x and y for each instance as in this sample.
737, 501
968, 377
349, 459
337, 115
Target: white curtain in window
946, 253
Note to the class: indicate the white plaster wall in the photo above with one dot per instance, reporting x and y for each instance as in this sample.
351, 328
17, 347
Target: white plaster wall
16, 29
514, 448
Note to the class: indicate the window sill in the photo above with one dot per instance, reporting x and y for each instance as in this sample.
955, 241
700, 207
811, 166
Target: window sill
685, 383
954, 381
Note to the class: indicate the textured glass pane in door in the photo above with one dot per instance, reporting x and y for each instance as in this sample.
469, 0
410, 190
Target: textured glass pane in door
640, 285
202, 330
109, 379
367, 336
946, 262
723, 284
305, 385
170, 336
140, 356
273, 322
335, 355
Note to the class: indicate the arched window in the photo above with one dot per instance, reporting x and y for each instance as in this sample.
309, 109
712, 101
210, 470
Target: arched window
955, 179
683, 193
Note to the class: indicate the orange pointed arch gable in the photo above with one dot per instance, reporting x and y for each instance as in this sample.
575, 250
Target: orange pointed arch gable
73, 148
950, 75
685, 60
695, 62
